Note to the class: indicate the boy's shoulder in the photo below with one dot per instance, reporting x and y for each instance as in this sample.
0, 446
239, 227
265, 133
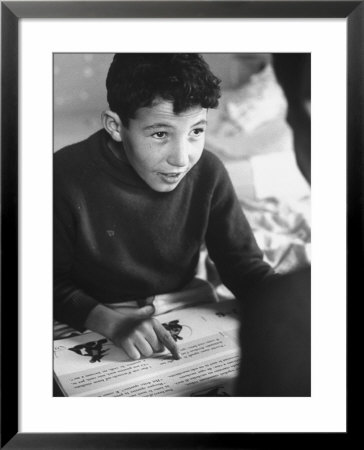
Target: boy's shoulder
74, 155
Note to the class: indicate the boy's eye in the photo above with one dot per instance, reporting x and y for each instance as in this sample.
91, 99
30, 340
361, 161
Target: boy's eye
159, 134
198, 131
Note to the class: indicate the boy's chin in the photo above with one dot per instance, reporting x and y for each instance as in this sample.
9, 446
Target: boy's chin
163, 188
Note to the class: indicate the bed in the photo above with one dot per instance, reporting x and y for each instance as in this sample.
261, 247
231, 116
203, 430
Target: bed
249, 133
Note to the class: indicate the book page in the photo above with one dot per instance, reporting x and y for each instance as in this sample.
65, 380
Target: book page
207, 336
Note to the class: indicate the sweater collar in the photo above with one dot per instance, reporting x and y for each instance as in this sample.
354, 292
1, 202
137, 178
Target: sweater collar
115, 164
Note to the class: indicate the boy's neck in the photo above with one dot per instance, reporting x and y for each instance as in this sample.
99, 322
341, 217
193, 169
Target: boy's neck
117, 150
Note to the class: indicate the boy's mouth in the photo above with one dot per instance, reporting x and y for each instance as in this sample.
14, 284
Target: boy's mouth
170, 177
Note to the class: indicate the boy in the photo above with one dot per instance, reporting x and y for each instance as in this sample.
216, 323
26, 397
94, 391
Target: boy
135, 201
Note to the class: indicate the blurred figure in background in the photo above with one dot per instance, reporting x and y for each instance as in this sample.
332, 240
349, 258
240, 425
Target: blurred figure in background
275, 334
275, 339
293, 72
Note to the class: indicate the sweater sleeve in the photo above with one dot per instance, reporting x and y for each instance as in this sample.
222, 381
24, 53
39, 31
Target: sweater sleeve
230, 240
71, 304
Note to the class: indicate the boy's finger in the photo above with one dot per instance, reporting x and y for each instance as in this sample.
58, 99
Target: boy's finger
143, 346
130, 349
154, 342
166, 339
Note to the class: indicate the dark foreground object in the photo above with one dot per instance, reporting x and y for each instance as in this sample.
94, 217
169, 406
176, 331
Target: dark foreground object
276, 339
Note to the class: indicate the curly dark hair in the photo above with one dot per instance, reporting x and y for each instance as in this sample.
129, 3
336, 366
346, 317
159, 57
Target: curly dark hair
136, 80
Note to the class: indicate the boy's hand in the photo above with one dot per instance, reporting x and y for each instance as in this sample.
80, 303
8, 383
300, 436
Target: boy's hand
134, 330
147, 337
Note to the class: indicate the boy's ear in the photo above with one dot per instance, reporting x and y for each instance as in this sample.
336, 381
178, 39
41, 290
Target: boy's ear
112, 125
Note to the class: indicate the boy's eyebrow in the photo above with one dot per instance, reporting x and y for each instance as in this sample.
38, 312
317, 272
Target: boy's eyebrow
157, 125
200, 122
167, 125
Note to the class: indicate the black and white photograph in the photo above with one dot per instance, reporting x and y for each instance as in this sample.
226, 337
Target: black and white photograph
181, 207
182, 224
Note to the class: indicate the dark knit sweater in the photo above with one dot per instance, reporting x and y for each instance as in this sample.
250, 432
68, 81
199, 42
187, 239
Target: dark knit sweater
116, 239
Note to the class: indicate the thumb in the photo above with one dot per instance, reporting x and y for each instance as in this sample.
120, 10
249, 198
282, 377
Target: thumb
129, 318
143, 313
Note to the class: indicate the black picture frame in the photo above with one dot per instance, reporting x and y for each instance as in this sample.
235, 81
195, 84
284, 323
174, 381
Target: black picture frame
11, 13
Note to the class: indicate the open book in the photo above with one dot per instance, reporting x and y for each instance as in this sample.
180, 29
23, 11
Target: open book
207, 335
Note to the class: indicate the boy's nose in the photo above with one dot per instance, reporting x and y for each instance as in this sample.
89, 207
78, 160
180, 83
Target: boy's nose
178, 155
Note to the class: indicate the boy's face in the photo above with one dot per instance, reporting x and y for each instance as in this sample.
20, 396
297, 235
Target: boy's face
161, 146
